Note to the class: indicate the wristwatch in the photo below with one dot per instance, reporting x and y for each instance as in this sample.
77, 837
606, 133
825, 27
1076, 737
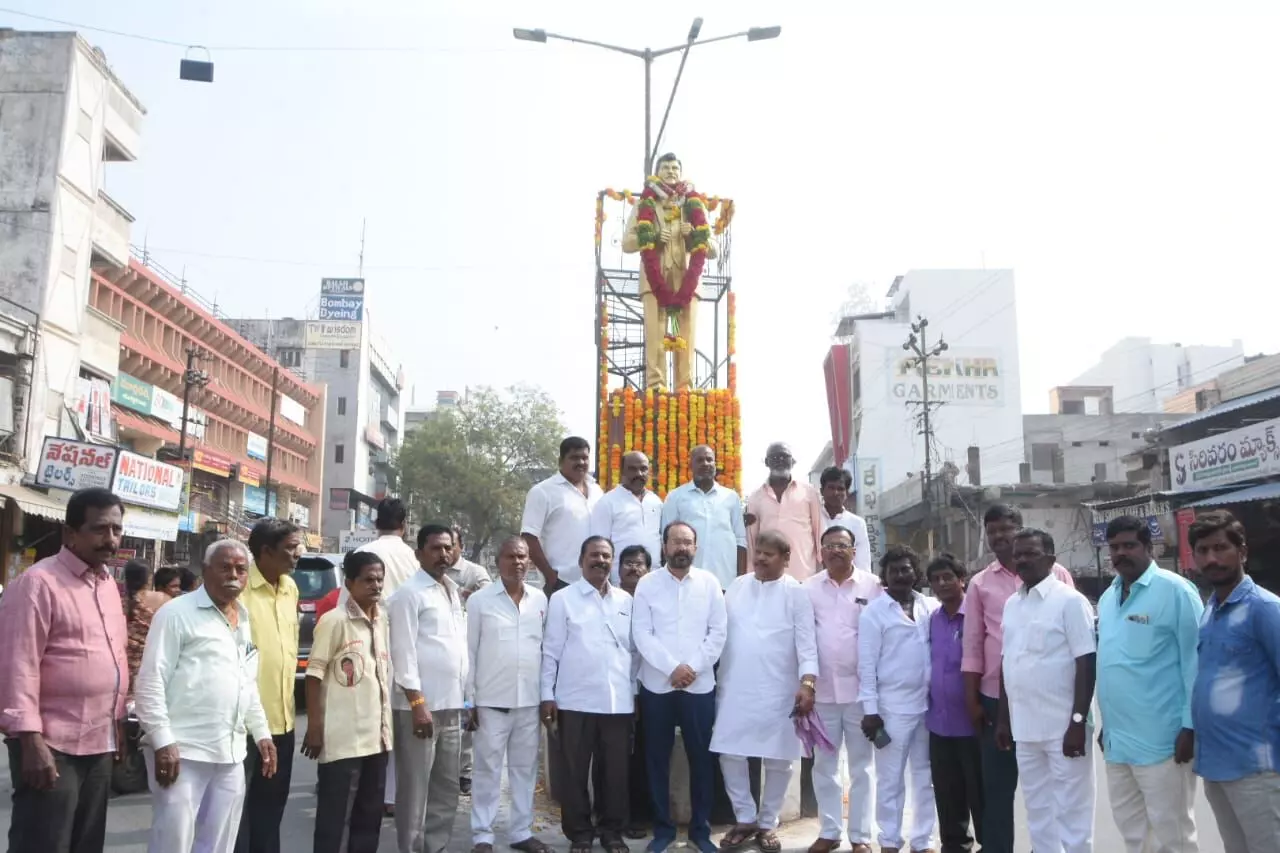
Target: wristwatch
809, 683
1077, 718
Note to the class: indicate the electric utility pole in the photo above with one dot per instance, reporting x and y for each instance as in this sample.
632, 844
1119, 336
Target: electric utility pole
191, 378
918, 343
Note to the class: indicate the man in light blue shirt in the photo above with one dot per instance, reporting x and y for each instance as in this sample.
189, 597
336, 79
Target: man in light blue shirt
1236, 701
1148, 627
715, 514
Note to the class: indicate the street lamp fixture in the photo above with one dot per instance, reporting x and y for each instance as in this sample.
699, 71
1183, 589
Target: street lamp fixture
763, 33
539, 36
694, 30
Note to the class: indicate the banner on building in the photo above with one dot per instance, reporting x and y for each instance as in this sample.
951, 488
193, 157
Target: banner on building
93, 407
72, 465
291, 409
147, 482
131, 393
256, 447
211, 462
331, 335
867, 481
339, 499
168, 408
255, 501
1242, 454
958, 377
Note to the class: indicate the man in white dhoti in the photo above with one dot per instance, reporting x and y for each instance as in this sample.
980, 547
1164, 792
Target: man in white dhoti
893, 685
770, 647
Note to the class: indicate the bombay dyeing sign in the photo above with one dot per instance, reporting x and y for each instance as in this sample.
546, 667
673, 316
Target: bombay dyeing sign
968, 377
1242, 454
146, 482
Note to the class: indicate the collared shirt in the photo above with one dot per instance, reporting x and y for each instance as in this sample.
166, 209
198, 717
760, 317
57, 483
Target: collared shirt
855, 525
587, 650
837, 610
893, 656
1236, 701
63, 669
273, 616
716, 517
559, 514
983, 621
1146, 665
428, 642
504, 645
469, 576
679, 622
399, 563
797, 516
198, 685
624, 520
350, 657
1045, 629
948, 716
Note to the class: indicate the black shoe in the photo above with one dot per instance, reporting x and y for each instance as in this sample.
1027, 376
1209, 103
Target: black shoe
464, 786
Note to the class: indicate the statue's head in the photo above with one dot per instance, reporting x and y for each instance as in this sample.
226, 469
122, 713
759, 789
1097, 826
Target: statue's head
668, 168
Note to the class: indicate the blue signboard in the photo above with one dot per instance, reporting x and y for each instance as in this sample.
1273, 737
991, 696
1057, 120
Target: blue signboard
345, 308
1099, 532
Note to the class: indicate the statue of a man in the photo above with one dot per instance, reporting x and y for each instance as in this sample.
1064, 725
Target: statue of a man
668, 227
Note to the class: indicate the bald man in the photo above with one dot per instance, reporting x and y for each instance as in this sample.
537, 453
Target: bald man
789, 507
630, 514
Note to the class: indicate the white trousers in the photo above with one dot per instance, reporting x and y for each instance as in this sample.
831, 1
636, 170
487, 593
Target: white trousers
1059, 794
1154, 806
200, 811
907, 753
843, 723
389, 794
512, 736
737, 784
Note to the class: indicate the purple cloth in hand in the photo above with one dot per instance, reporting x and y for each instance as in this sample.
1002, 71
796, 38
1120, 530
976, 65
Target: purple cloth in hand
812, 733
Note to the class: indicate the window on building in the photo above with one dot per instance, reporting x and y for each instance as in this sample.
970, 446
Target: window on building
344, 358
339, 453
289, 357
1042, 456
342, 405
1104, 444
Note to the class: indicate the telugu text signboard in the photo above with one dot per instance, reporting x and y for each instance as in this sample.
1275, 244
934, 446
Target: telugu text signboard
1242, 454
131, 393
965, 377
146, 482
326, 335
73, 465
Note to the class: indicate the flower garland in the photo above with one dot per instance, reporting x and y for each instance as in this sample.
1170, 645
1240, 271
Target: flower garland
647, 229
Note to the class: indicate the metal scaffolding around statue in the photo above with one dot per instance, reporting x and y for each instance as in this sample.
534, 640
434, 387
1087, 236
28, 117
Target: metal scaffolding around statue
635, 243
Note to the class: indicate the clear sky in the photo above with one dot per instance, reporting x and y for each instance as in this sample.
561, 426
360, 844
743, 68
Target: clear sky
1124, 165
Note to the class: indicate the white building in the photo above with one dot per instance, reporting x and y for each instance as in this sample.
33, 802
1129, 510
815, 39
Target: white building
63, 117
1145, 375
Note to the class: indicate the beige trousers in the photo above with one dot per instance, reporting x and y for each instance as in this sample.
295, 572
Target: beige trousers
655, 357
1154, 806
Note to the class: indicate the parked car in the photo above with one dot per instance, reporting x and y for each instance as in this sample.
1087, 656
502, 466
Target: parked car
316, 576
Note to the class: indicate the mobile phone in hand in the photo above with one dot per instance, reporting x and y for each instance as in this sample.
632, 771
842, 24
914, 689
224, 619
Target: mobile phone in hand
882, 739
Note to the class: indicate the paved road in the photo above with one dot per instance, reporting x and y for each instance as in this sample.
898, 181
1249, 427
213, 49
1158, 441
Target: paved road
130, 817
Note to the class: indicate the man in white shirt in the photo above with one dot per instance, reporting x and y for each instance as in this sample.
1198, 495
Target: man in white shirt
680, 628
834, 486
470, 577
893, 686
1046, 689
504, 644
587, 699
557, 516
197, 697
629, 514
840, 594
429, 665
768, 675
715, 514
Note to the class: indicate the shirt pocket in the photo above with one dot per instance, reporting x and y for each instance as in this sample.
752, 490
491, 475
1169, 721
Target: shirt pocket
1139, 639
1036, 636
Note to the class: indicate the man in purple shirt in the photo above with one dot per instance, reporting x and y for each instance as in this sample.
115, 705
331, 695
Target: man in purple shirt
955, 753
63, 681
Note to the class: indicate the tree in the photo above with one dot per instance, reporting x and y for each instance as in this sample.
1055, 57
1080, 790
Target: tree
473, 465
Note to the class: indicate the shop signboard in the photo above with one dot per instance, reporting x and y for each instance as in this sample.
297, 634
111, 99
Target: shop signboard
867, 481
211, 462
959, 377
350, 540
326, 334
132, 393
339, 499
341, 299
255, 501
251, 476
1247, 453
72, 465
144, 523
148, 482
256, 447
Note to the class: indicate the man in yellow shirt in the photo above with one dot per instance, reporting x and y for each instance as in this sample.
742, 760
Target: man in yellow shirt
272, 600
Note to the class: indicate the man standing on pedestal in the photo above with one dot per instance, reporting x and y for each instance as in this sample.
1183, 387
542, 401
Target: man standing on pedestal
557, 516
790, 507
715, 514
629, 514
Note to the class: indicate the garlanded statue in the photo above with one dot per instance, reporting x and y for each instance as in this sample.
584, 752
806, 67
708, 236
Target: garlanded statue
669, 229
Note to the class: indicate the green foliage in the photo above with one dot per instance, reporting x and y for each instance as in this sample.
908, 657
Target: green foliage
474, 465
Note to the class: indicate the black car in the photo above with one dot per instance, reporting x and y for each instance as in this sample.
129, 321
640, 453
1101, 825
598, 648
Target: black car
317, 575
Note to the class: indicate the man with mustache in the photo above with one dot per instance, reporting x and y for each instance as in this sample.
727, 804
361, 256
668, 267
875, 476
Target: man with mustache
629, 514
557, 516
1046, 689
1148, 627
715, 514
983, 645
64, 676
790, 507
587, 701
680, 627
197, 700
1237, 691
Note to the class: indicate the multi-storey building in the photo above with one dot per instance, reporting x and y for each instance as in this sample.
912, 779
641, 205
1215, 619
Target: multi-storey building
1144, 376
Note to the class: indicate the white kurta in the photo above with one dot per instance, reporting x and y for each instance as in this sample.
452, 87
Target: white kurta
770, 646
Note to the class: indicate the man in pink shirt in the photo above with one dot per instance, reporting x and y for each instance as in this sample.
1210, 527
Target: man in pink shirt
63, 681
792, 508
839, 595
983, 645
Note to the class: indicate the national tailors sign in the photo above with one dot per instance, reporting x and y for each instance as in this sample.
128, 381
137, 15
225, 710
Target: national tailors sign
146, 482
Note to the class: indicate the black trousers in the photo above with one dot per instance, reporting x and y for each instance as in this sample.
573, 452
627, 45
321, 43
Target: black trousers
604, 740
349, 801
956, 765
265, 799
999, 783
640, 813
71, 817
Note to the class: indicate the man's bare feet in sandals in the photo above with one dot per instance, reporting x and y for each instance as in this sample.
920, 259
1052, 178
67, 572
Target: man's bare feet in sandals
824, 845
768, 842
738, 836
